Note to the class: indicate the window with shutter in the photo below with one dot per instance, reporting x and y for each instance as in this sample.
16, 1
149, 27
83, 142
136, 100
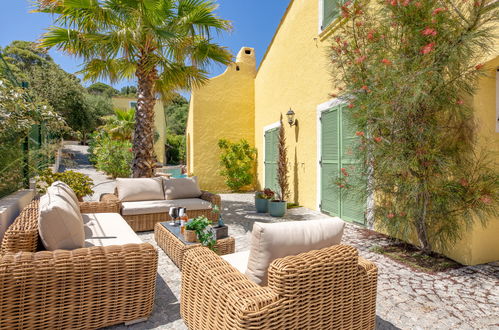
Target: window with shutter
330, 10
271, 154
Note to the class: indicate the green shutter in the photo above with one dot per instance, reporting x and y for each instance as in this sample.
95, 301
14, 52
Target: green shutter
330, 10
330, 192
271, 154
338, 143
352, 205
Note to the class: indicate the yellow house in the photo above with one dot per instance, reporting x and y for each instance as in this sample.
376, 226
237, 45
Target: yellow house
124, 102
295, 74
222, 109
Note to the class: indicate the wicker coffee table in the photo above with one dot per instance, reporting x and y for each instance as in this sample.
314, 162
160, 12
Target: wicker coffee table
170, 240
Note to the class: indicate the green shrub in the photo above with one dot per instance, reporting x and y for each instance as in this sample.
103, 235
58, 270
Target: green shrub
114, 157
175, 149
238, 162
80, 183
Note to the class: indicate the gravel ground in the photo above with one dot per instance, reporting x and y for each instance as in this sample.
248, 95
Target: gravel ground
464, 298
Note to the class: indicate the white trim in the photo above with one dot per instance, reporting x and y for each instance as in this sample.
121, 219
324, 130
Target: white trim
497, 101
320, 16
265, 129
320, 109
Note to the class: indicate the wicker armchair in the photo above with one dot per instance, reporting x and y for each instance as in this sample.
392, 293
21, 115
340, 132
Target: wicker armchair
85, 288
146, 222
331, 288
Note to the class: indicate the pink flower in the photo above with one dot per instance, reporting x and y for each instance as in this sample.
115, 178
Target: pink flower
463, 182
370, 35
359, 133
378, 139
486, 199
386, 61
479, 66
361, 59
429, 32
460, 102
390, 215
428, 48
344, 171
438, 10
351, 105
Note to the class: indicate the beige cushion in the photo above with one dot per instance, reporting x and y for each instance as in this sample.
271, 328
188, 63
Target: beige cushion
64, 186
239, 260
105, 229
163, 206
270, 241
63, 193
59, 225
181, 188
140, 189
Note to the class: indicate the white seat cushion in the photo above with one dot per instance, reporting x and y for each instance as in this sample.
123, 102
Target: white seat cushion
239, 260
271, 241
67, 189
139, 189
181, 188
163, 206
60, 226
105, 229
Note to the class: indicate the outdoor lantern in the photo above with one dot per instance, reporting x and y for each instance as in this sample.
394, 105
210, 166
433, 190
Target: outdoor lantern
291, 117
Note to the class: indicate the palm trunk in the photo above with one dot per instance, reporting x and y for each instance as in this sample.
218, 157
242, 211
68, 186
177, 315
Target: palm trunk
143, 138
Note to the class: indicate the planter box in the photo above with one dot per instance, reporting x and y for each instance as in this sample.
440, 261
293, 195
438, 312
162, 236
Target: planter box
190, 236
221, 232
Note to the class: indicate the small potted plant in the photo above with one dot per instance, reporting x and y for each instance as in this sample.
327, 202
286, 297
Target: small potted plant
262, 200
277, 207
196, 230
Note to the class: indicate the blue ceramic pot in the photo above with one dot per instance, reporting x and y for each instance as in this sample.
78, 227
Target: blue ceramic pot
277, 208
261, 205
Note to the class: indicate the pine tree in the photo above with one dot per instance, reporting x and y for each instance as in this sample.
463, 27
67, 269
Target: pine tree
408, 71
282, 164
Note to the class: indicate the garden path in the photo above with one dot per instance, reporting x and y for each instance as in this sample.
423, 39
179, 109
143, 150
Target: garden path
464, 298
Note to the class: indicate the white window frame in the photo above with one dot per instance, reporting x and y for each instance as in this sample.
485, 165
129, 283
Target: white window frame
321, 16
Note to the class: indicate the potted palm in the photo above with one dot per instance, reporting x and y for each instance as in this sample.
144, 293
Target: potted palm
262, 199
277, 207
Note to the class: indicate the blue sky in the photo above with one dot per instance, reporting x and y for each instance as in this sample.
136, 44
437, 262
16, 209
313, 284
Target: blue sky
254, 21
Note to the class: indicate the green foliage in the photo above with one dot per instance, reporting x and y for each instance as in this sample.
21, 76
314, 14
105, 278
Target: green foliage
267, 193
175, 149
114, 157
48, 83
120, 125
80, 183
200, 225
130, 91
238, 162
102, 89
282, 165
176, 112
409, 70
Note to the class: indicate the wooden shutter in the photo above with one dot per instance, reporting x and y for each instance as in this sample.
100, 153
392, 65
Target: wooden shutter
330, 11
330, 135
271, 151
352, 204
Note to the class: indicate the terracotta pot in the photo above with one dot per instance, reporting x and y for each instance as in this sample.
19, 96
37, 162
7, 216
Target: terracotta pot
190, 236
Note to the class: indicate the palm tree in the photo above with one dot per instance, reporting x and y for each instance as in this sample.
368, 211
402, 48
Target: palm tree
165, 44
120, 126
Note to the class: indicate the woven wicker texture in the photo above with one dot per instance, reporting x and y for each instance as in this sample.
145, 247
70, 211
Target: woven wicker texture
80, 289
329, 288
22, 235
146, 222
175, 248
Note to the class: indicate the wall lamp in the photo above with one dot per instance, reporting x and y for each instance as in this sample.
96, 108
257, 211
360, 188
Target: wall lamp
291, 117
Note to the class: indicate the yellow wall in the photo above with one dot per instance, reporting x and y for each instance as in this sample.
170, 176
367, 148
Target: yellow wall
159, 123
223, 108
295, 73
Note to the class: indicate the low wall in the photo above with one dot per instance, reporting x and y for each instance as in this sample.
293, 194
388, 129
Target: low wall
11, 206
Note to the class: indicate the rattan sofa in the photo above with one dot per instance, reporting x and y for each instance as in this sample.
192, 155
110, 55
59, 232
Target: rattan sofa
331, 288
85, 288
146, 222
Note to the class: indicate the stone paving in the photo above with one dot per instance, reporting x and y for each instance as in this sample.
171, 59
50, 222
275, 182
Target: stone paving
464, 298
